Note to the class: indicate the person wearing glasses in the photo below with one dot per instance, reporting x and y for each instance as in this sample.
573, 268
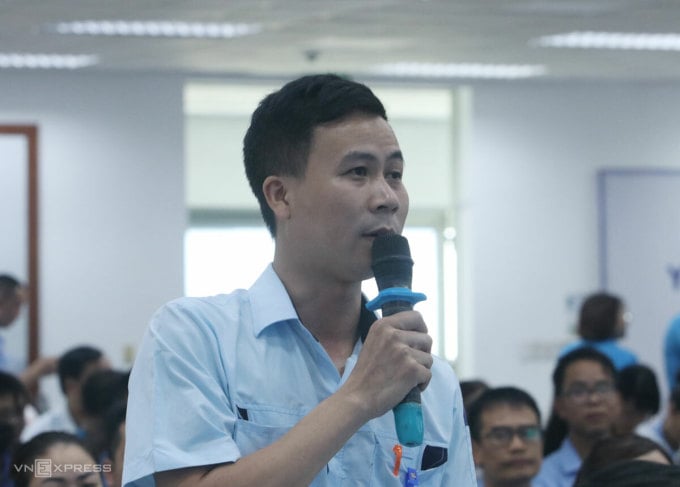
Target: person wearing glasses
507, 441
586, 406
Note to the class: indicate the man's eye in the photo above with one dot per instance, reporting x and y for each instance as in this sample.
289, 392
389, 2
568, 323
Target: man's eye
395, 175
358, 171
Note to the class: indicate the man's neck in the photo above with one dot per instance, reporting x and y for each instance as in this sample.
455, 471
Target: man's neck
330, 311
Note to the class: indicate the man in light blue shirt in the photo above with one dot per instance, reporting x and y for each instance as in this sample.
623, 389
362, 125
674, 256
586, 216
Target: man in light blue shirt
292, 381
507, 442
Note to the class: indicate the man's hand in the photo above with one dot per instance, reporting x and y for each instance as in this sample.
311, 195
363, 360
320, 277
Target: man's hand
395, 358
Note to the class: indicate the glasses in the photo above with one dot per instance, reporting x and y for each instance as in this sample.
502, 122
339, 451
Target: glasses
502, 436
580, 393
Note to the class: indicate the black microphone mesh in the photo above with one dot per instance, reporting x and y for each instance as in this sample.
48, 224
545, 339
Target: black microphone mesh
391, 261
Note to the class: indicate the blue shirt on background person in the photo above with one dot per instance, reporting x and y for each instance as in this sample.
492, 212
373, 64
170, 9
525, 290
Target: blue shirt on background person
620, 356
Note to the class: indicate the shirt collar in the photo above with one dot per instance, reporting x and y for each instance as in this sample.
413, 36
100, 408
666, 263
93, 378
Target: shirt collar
270, 304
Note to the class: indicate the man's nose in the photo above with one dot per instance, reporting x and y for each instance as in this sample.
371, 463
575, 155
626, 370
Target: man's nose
384, 196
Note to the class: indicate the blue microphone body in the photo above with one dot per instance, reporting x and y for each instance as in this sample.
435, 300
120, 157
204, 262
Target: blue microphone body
392, 267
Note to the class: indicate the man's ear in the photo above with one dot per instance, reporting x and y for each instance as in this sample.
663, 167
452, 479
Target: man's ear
275, 189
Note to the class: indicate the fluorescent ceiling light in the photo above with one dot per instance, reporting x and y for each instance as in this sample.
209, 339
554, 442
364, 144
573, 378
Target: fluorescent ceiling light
460, 70
611, 40
46, 61
156, 29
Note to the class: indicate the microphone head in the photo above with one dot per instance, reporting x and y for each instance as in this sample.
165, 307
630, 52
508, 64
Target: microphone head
391, 261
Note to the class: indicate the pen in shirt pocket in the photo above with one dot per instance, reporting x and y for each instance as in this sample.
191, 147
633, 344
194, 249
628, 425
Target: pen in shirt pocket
411, 479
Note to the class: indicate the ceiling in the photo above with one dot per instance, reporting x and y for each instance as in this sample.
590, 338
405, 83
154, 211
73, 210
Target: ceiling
351, 36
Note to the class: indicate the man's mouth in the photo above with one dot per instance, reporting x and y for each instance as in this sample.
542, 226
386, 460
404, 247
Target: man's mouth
379, 232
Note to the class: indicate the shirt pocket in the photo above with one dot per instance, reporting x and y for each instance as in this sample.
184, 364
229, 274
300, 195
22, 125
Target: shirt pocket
258, 427
429, 460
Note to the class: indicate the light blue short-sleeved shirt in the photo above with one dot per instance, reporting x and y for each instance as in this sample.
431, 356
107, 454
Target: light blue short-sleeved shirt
219, 378
560, 468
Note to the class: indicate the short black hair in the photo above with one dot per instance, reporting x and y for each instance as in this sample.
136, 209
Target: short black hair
102, 389
72, 363
577, 355
471, 389
598, 316
633, 473
280, 133
610, 450
507, 395
637, 384
8, 286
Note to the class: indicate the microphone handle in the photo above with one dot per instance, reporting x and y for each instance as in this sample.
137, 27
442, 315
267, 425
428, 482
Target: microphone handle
408, 414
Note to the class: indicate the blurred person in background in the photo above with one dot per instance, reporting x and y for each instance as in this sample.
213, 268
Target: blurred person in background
640, 397
73, 368
616, 449
664, 429
602, 322
55, 459
13, 295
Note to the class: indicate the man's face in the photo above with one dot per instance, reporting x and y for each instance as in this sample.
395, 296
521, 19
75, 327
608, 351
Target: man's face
506, 457
351, 192
589, 402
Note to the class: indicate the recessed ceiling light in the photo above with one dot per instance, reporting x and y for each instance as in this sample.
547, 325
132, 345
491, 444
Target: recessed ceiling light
460, 70
156, 29
46, 61
611, 40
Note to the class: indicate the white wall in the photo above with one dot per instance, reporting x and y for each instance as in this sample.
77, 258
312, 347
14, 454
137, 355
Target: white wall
112, 206
529, 210
112, 211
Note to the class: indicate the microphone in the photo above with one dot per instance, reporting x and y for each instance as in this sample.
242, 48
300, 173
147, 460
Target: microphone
393, 269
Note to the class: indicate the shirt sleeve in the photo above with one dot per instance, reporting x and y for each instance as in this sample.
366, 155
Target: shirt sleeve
179, 412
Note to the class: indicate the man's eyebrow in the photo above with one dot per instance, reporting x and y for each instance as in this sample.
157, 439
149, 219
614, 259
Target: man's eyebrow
357, 155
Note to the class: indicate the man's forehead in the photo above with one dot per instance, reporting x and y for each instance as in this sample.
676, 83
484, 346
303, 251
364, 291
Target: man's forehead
506, 413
